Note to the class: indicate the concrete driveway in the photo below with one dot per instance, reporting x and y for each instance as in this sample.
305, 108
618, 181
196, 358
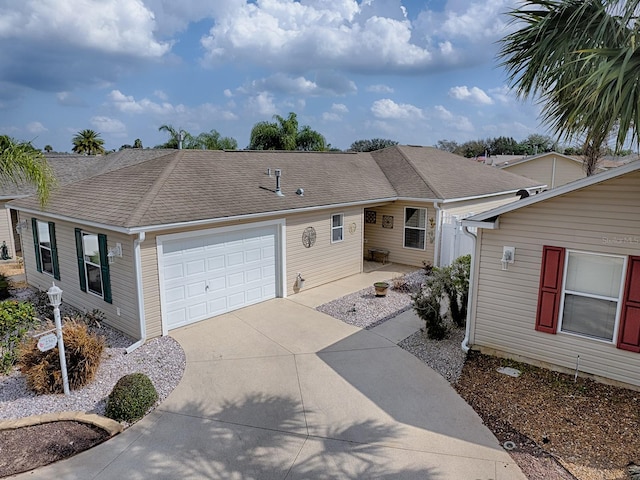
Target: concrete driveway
281, 391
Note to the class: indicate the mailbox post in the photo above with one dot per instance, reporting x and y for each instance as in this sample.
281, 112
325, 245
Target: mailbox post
55, 299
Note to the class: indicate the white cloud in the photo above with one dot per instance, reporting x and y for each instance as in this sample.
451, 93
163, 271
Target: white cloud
36, 127
325, 84
474, 95
227, 93
502, 94
456, 122
379, 88
161, 95
261, 104
338, 110
128, 104
388, 109
113, 26
314, 35
109, 125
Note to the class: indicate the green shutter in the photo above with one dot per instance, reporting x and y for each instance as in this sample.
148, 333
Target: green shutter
104, 266
80, 256
36, 244
54, 251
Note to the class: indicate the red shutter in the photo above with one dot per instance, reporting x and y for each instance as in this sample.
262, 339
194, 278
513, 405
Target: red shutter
629, 335
550, 293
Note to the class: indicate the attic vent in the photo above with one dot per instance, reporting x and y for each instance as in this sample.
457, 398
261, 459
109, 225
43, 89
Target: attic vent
278, 189
300, 192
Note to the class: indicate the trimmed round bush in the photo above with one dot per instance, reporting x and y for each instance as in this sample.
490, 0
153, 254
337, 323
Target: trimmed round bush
83, 352
131, 398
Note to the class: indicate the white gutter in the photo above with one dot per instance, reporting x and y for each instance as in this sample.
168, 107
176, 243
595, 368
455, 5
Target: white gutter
138, 273
495, 225
465, 342
436, 245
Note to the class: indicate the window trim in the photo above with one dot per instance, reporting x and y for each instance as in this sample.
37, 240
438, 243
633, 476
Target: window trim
93, 264
52, 248
340, 227
405, 227
105, 276
618, 300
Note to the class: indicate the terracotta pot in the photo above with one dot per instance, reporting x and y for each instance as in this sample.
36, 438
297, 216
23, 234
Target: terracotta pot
381, 288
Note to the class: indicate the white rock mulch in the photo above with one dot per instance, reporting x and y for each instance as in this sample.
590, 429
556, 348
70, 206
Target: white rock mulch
161, 359
363, 309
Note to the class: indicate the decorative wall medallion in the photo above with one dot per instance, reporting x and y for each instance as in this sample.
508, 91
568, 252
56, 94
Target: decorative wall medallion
387, 221
352, 228
369, 216
309, 237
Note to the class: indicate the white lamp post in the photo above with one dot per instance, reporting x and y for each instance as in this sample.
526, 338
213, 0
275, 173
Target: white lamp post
55, 299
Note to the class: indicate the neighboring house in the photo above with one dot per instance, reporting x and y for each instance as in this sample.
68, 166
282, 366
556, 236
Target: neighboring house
67, 168
553, 169
571, 296
196, 233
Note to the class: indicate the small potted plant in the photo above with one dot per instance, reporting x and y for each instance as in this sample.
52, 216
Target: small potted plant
381, 288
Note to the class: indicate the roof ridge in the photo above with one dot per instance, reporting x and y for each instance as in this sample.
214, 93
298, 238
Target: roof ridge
148, 198
413, 167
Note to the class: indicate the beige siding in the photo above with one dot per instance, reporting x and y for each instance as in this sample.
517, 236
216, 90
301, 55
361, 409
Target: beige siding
602, 218
470, 207
6, 231
392, 239
123, 312
552, 170
325, 261
322, 263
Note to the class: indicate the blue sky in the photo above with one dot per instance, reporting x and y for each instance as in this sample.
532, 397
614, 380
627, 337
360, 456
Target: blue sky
412, 71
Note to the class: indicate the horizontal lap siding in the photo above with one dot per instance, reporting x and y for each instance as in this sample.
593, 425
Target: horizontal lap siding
6, 231
123, 286
602, 219
392, 239
568, 171
324, 262
539, 169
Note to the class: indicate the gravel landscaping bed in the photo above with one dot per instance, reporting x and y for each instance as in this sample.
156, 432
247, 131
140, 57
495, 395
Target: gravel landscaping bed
162, 359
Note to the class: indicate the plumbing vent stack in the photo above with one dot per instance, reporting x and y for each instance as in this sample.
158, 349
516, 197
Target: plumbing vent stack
278, 189
268, 171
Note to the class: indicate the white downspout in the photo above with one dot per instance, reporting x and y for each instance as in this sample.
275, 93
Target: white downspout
137, 258
436, 245
465, 341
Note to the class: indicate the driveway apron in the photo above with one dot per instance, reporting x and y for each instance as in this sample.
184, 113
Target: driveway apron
281, 391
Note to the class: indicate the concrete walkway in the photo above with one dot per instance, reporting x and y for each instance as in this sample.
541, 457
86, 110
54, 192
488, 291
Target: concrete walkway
281, 391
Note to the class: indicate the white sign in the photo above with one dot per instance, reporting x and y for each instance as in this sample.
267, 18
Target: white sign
47, 342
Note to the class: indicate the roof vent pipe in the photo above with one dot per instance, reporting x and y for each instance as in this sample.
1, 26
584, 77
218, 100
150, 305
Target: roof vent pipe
180, 139
278, 189
269, 171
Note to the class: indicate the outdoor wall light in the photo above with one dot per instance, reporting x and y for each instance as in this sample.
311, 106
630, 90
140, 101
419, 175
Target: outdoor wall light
508, 256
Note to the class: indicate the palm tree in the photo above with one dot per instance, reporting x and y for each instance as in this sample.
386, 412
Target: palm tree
88, 142
284, 135
20, 163
582, 59
214, 141
188, 141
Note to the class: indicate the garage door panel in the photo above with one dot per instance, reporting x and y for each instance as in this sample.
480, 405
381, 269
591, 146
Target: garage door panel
172, 272
213, 274
195, 267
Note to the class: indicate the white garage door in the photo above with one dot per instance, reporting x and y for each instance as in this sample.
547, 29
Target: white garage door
212, 274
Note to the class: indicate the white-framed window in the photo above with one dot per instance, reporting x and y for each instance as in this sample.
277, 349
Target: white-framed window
337, 227
93, 268
44, 247
592, 295
415, 228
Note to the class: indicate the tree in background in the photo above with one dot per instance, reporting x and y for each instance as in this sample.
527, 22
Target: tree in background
214, 141
283, 134
137, 143
450, 146
581, 58
371, 145
20, 163
174, 137
88, 142
48, 148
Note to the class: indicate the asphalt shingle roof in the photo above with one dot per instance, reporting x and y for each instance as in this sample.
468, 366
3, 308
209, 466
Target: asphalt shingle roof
176, 186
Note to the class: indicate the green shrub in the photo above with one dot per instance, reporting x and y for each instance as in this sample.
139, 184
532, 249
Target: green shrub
132, 396
83, 351
427, 301
15, 321
4, 287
